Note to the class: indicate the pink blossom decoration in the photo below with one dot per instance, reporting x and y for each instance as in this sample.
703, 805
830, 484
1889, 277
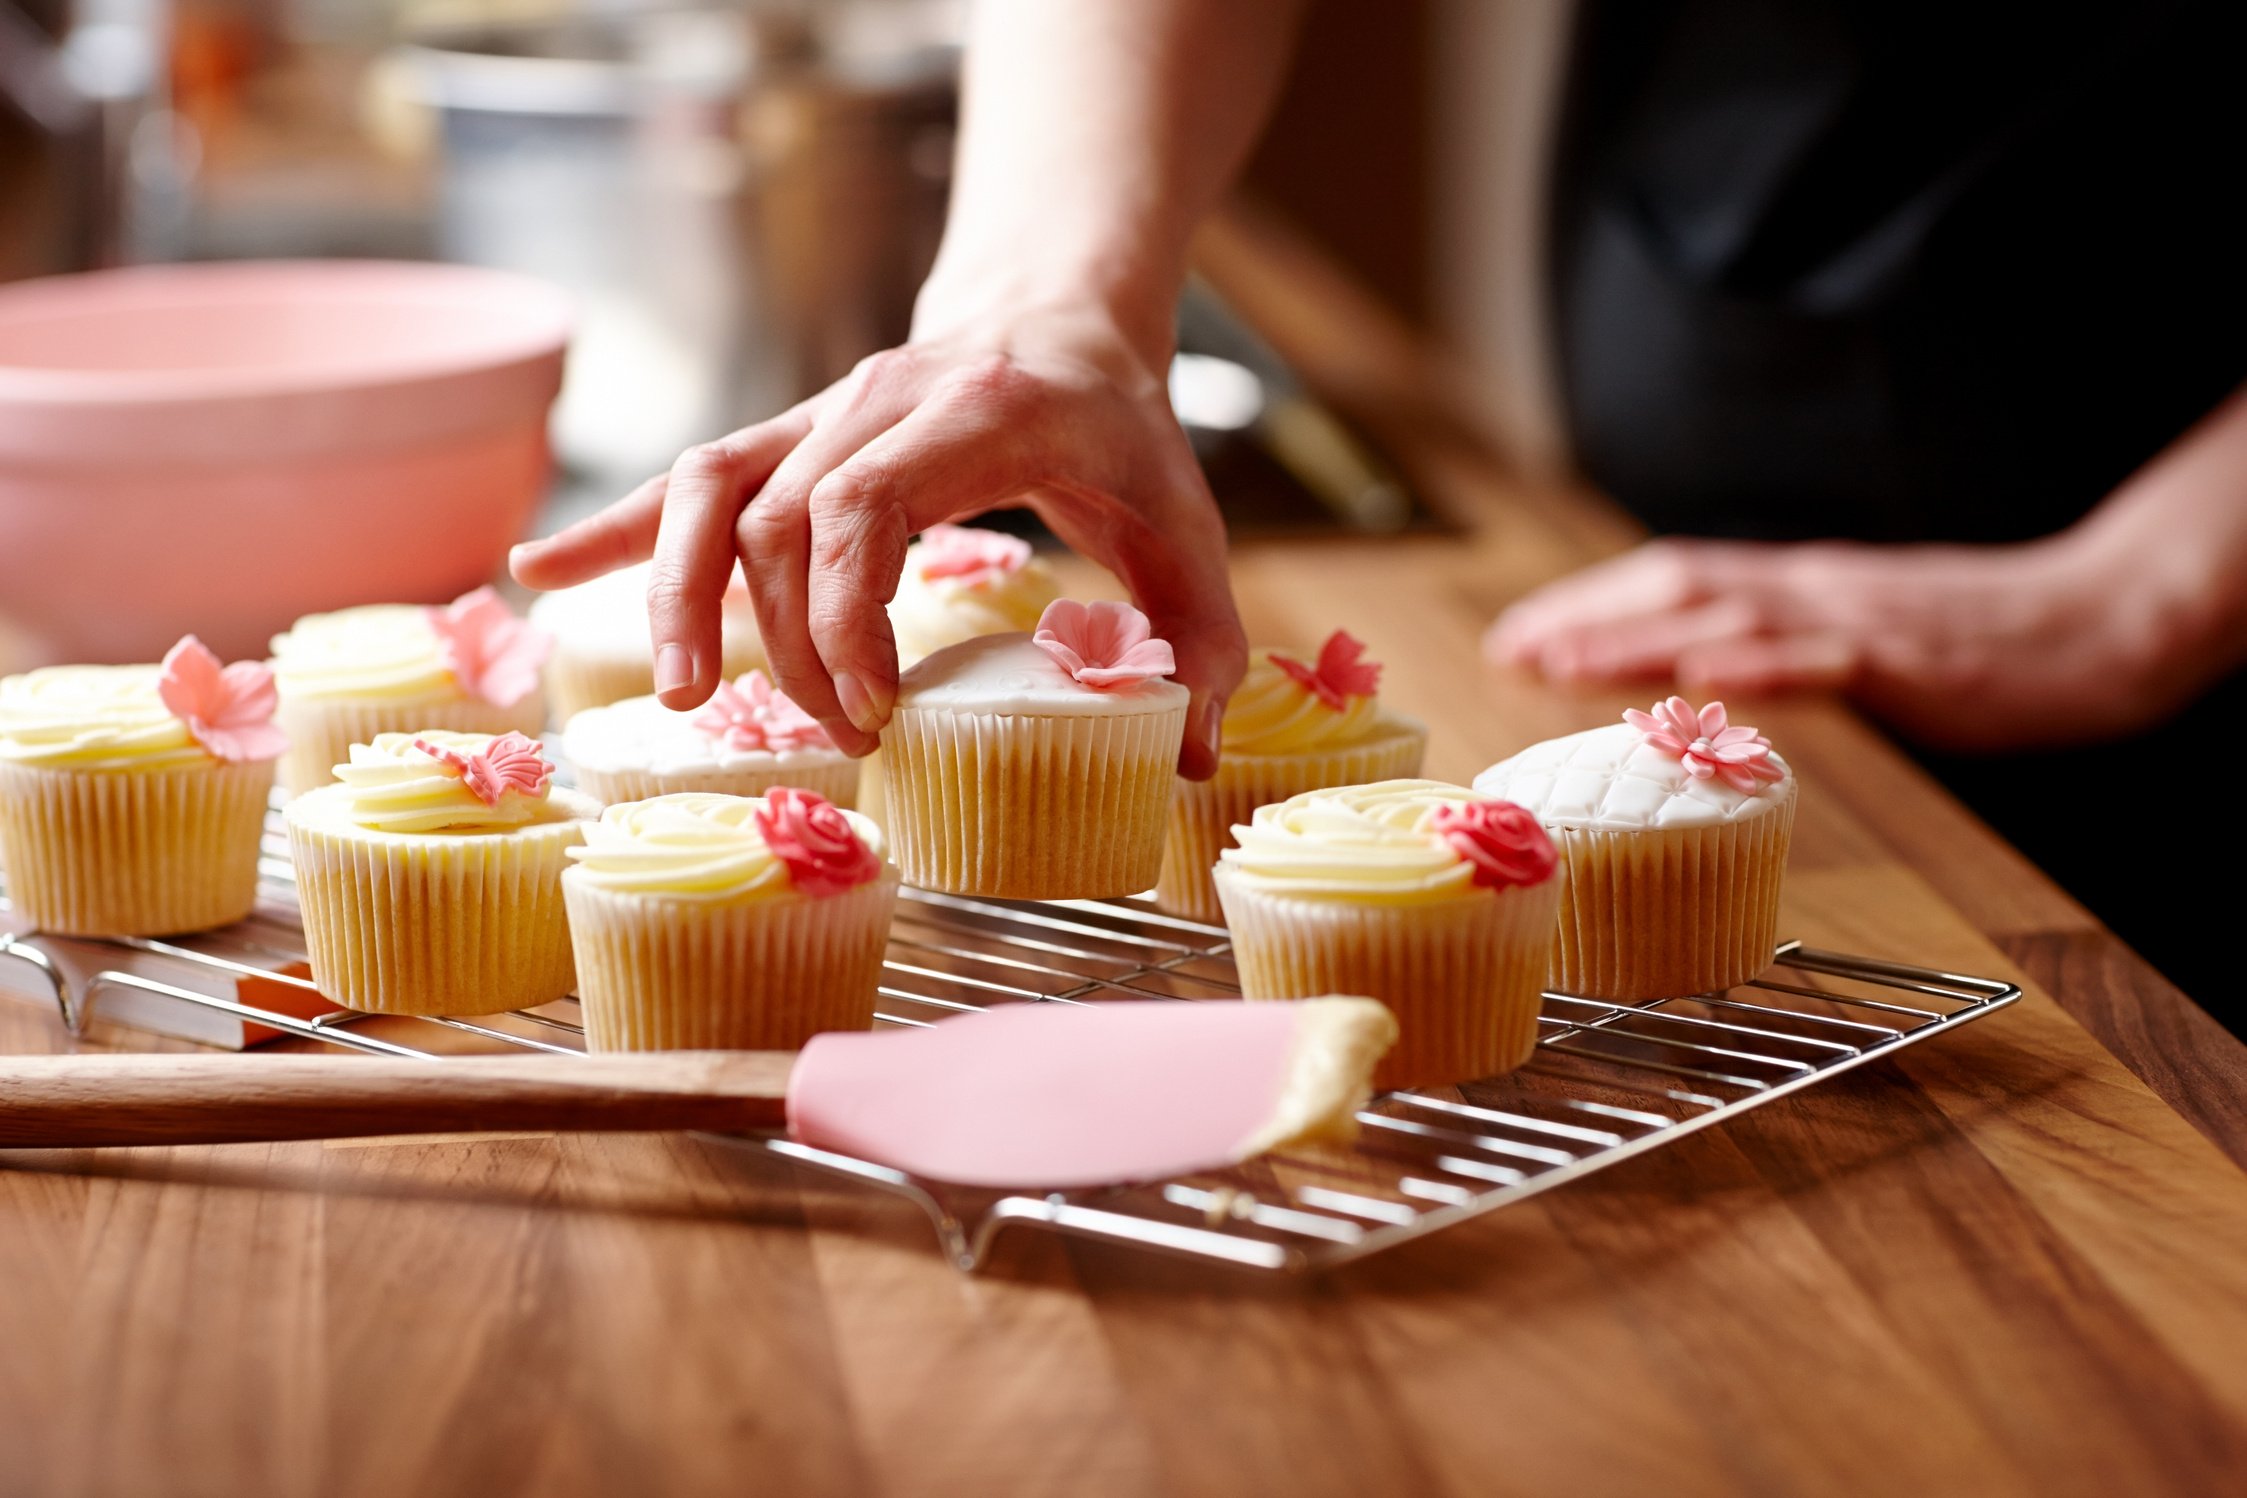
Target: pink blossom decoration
1707, 744
490, 652
811, 836
1340, 673
1502, 841
1103, 644
752, 713
976, 557
510, 762
229, 710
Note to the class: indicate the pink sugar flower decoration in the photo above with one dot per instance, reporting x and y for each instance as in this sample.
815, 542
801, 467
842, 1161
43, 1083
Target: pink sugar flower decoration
810, 835
1103, 644
752, 713
975, 557
228, 709
490, 652
1709, 746
1502, 840
510, 762
1340, 674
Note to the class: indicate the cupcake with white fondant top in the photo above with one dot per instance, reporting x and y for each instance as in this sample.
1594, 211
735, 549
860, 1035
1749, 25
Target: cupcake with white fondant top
707, 922
603, 651
1037, 766
749, 737
470, 666
1293, 725
1424, 895
961, 583
430, 872
1673, 826
132, 798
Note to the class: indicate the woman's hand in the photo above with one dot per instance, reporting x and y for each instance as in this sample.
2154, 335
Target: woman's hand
2074, 638
1056, 409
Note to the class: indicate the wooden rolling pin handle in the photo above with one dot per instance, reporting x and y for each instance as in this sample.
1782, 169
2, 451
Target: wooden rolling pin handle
64, 1102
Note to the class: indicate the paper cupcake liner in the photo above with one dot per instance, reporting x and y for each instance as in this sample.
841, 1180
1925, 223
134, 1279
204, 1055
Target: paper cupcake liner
133, 853
661, 973
467, 923
1030, 808
873, 792
322, 730
1463, 976
838, 782
576, 680
1663, 913
1203, 813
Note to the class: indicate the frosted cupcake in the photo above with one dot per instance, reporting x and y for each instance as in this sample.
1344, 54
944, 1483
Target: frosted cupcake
132, 797
602, 650
961, 583
1433, 900
708, 922
431, 875
469, 667
1292, 726
1037, 767
747, 739
1674, 825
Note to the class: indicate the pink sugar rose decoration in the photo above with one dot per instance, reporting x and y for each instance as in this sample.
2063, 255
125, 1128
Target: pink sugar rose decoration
228, 709
510, 762
490, 652
1708, 745
1341, 673
811, 836
975, 557
1501, 840
1103, 644
752, 713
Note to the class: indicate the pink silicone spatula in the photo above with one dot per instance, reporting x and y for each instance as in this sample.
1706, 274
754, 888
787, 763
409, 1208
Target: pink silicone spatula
1029, 1095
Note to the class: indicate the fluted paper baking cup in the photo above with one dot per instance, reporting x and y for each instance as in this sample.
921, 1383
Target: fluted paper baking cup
1204, 813
133, 852
441, 923
1028, 807
1661, 913
1463, 976
667, 973
577, 679
873, 792
838, 782
322, 730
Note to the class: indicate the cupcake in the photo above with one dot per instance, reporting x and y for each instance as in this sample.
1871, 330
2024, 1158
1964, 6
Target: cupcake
431, 875
961, 583
1037, 767
469, 667
602, 650
1436, 901
132, 797
708, 922
1292, 726
747, 739
1674, 827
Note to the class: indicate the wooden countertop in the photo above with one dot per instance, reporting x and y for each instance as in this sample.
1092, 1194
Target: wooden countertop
2013, 1261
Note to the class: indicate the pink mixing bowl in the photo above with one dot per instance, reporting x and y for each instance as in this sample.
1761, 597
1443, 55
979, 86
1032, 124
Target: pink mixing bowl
220, 448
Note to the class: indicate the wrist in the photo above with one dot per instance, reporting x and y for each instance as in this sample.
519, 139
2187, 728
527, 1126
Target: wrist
2176, 612
1134, 308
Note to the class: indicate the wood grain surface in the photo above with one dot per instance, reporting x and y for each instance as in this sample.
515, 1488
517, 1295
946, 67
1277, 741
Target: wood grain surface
2013, 1261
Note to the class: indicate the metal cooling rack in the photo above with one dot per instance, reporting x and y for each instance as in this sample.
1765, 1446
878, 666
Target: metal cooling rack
1608, 1081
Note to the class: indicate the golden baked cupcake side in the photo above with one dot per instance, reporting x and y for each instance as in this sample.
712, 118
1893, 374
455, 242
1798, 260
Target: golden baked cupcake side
711, 922
748, 738
1292, 726
430, 874
132, 798
1421, 894
603, 652
1673, 826
469, 667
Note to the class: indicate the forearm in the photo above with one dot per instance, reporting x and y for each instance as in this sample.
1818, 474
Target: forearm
1095, 136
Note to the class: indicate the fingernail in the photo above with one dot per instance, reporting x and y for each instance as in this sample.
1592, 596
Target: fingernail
674, 668
1209, 724
858, 704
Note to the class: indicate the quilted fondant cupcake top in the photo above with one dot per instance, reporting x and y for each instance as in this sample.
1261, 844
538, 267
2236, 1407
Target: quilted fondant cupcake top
1672, 768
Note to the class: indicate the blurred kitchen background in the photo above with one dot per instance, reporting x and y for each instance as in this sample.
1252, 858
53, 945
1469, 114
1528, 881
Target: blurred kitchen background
742, 195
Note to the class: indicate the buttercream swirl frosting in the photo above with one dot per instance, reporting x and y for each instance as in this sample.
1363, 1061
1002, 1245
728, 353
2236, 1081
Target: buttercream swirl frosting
941, 600
695, 844
395, 784
1272, 712
93, 718
1381, 844
380, 650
